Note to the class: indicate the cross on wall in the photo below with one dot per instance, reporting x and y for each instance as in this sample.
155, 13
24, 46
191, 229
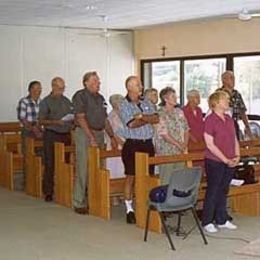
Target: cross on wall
163, 49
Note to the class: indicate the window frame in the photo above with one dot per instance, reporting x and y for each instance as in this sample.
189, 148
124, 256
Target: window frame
228, 56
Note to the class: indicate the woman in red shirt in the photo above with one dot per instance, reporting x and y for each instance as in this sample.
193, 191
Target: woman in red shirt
221, 156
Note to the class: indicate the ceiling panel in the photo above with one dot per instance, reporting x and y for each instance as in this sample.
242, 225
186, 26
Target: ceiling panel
119, 14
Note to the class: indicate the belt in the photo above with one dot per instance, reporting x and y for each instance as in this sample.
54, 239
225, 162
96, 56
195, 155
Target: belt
139, 140
94, 129
55, 132
97, 129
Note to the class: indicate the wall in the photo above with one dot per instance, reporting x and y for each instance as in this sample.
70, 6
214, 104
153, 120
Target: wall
38, 53
198, 38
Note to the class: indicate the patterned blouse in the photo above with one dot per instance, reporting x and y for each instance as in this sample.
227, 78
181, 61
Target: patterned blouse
173, 123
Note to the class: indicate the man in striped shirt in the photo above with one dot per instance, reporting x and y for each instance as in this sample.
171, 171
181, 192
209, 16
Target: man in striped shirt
137, 116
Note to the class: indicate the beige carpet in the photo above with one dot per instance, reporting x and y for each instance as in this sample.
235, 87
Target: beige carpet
251, 249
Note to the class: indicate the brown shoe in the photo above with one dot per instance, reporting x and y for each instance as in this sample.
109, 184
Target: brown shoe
82, 211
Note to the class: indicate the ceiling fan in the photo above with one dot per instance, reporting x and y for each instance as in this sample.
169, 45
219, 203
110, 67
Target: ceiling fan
103, 31
245, 15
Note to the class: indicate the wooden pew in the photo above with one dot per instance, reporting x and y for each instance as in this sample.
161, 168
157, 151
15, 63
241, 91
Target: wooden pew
100, 189
33, 168
10, 144
10, 150
6, 170
64, 175
10, 127
145, 182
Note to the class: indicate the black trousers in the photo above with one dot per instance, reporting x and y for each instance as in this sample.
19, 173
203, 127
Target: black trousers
219, 176
49, 138
131, 146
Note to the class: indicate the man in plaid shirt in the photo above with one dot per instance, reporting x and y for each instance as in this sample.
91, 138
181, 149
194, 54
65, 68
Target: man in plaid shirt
28, 109
27, 114
237, 105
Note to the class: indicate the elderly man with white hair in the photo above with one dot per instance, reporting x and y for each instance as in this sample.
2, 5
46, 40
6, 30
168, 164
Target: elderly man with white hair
115, 165
193, 114
237, 105
138, 117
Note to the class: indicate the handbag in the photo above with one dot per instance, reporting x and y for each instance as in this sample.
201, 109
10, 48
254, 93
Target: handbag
245, 172
159, 193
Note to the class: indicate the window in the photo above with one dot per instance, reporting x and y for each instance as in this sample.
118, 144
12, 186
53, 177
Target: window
162, 74
247, 76
166, 74
203, 75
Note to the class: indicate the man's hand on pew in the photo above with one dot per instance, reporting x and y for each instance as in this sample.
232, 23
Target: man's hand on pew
93, 141
37, 132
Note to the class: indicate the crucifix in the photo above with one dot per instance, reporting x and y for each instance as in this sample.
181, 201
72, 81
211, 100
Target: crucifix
163, 49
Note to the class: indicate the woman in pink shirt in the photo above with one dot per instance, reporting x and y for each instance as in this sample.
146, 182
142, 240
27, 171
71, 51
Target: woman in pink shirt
193, 114
221, 156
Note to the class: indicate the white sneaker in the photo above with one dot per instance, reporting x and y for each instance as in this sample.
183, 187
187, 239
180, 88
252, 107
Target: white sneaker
228, 225
210, 228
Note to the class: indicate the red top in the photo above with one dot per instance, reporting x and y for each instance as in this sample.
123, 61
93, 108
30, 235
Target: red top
223, 133
195, 121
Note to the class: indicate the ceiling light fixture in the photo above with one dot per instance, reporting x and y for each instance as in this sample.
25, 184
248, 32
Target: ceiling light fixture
91, 8
244, 15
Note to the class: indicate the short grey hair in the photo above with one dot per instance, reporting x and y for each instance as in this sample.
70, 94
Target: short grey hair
115, 99
227, 73
87, 76
149, 90
192, 93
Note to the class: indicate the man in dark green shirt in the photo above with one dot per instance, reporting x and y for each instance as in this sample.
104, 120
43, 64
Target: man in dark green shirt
56, 116
91, 119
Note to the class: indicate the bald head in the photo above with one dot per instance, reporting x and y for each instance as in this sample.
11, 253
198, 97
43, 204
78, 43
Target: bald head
134, 87
133, 83
58, 86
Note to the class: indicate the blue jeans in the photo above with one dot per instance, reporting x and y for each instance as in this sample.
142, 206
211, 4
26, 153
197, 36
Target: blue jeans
219, 176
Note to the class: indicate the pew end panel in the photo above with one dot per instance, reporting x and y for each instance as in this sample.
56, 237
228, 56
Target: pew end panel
143, 184
6, 170
64, 176
33, 169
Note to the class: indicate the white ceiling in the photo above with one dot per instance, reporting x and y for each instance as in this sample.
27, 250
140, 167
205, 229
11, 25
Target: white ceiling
121, 14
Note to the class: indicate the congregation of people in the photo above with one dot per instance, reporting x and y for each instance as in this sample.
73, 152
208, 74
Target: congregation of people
137, 123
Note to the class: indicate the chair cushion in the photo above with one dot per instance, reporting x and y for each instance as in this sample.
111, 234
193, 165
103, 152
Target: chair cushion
158, 194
